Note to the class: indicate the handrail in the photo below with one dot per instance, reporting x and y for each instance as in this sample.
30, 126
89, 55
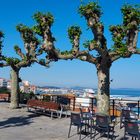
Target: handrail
137, 102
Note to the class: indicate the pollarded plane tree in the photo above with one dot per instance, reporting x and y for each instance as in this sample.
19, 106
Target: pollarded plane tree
25, 59
125, 38
2, 63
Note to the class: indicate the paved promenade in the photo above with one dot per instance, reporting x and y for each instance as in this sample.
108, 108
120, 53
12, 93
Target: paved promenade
22, 125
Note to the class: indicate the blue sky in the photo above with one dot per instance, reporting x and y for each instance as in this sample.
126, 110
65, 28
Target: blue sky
125, 72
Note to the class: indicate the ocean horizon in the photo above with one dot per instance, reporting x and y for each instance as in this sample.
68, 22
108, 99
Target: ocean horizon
125, 93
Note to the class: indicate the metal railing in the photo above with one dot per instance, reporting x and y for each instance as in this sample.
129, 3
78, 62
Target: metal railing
133, 105
115, 104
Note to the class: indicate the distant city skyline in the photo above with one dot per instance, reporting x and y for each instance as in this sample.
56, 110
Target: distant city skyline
125, 72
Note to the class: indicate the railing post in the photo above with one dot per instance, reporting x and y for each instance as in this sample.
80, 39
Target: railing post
92, 105
73, 103
113, 106
138, 108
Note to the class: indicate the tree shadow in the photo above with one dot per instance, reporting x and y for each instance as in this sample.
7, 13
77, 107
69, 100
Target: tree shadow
18, 121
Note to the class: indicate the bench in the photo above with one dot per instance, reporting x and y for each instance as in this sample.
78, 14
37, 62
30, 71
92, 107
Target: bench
4, 96
41, 106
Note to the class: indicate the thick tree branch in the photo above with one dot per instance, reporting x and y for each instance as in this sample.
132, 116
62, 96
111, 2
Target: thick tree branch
125, 36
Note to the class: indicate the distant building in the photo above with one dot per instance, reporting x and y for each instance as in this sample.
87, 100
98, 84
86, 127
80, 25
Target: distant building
9, 84
3, 82
25, 86
33, 89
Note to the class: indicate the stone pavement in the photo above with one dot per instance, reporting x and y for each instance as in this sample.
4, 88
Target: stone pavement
22, 125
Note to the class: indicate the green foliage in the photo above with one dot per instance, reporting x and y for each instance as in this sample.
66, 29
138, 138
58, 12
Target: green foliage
40, 51
67, 52
119, 34
43, 22
24, 97
130, 14
44, 19
42, 61
131, 21
4, 90
87, 43
16, 48
74, 31
11, 60
123, 50
28, 34
38, 30
89, 9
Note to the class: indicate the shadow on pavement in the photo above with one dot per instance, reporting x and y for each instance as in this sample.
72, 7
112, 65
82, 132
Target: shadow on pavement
18, 121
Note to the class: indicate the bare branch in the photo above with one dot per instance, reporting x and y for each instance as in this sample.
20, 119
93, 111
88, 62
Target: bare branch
137, 51
4, 64
19, 52
44, 63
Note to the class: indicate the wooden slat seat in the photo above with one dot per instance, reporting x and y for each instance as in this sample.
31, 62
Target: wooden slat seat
5, 96
51, 107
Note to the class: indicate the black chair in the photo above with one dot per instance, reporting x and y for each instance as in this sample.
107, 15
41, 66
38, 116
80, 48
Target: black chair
76, 121
126, 115
103, 125
87, 117
131, 129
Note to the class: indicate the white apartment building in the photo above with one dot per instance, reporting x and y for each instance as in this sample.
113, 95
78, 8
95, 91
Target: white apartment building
25, 86
9, 84
3, 82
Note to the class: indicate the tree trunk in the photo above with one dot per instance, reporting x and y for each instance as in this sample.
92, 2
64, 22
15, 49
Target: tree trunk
103, 95
14, 89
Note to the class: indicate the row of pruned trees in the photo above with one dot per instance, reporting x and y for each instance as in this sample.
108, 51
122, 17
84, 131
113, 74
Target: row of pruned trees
125, 37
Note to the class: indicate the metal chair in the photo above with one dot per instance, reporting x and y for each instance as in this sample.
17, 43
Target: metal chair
131, 129
103, 125
88, 118
126, 115
76, 121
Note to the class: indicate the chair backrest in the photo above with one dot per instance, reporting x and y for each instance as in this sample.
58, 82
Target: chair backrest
125, 113
63, 100
102, 120
81, 112
131, 127
75, 118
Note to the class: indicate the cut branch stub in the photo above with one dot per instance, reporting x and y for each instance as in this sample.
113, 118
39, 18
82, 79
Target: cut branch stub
130, 14
44, 63
12, 61
90, 44
74, 33
27, 34
44, 22
90, 8
19, 52
30, 41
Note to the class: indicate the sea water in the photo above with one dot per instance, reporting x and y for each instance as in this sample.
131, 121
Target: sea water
133, 94
126, 94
